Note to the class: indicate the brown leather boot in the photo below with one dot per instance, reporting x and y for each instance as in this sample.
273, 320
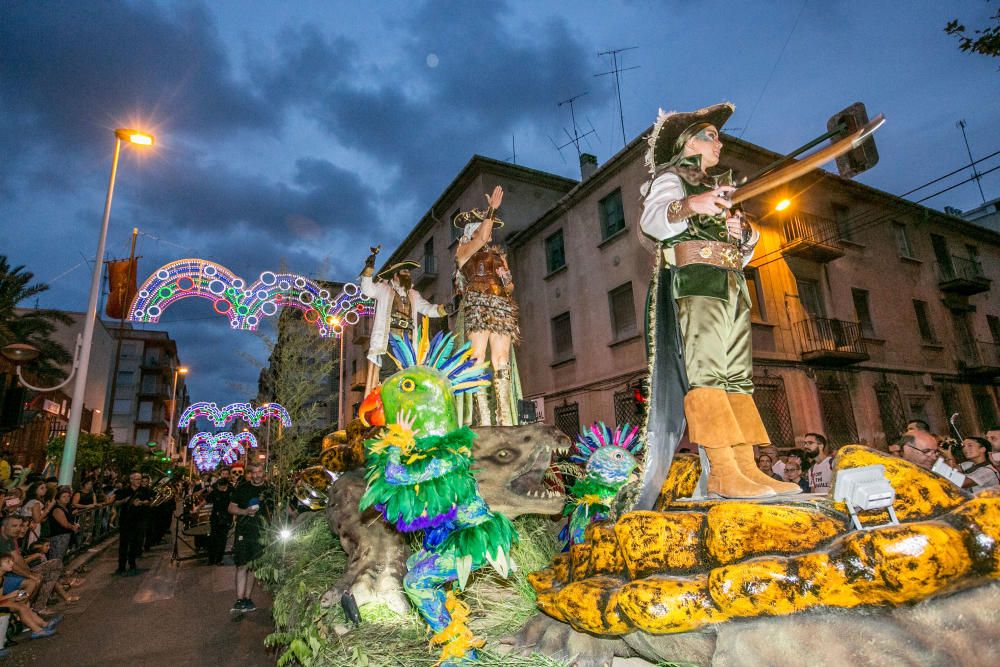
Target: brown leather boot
748, 466
754, 433
712, 425
725, 478
483, 407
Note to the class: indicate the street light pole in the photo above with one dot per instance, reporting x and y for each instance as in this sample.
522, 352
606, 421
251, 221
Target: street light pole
181, 370
80, 385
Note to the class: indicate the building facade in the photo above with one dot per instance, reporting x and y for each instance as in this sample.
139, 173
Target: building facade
868, 310
148, 391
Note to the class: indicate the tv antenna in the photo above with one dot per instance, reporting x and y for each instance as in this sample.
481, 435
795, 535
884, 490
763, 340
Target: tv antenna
513, 148
976, 176
616, 70
574, 138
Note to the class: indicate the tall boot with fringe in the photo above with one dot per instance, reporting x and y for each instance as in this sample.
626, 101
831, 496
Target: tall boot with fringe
501, 389
483, 407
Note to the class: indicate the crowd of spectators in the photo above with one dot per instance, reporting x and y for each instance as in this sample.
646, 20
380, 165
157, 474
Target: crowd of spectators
41, 524
976, 458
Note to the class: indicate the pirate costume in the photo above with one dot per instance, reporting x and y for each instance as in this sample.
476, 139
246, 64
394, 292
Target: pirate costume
698, 322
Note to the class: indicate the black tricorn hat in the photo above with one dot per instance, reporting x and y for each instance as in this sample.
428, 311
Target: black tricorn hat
475, 215
670, 126
388, 272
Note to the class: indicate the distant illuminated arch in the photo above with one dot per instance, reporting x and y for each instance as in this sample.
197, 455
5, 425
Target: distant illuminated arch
253, 417
244, 304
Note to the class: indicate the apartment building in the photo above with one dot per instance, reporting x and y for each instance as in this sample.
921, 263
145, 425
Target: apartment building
148, 384
868, 310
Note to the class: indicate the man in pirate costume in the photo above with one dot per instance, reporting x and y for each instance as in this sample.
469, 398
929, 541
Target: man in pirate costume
489, 311
699, 312
397, 305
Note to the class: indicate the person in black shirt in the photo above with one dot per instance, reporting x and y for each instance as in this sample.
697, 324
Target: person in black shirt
251, 503
220, 521
132, 502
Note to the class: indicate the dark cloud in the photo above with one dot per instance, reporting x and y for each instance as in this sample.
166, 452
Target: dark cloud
68, 69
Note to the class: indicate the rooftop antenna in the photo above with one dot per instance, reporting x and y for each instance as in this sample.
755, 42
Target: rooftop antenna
513, 157
574, 138
616, 70
976, 176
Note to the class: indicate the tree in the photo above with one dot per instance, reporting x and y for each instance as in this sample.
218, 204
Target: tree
34, 327
98, 451
985, 42
300, 376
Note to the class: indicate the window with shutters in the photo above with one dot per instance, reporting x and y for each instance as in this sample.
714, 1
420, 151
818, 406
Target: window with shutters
924, 322
985, 409
756, 290
838, 413
567, 419
772, 404
890, 410
562, 338
903, 246
555, 252
863, 309
612, 214
626, 409
622, 307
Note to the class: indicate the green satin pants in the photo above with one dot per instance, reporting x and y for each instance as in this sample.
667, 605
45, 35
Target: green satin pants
716, 338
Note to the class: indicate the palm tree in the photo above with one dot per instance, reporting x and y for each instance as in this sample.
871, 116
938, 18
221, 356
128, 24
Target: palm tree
34, 327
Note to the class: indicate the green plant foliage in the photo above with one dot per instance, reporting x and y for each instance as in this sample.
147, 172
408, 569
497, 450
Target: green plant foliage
99, 451
299, 571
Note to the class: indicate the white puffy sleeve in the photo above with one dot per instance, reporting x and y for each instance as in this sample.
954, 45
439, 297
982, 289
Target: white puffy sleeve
666, 188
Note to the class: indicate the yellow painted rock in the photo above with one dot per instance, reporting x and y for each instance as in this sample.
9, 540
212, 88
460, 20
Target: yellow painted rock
704, 562
579, 561
779, 586
920, 494
979, 520
591, 605
736, 531
681, 481
898, 564
662, 605
547, 582
660, 542
605, 556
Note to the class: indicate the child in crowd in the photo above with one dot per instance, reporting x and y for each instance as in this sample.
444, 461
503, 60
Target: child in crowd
16, 602
38, 553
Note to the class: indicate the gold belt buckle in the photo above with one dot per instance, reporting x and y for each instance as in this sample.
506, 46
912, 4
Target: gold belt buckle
705, 252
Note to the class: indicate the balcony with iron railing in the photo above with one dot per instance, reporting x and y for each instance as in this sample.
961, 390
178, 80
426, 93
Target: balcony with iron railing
830, 342
810, 237
979, 359
426, 273
962, 275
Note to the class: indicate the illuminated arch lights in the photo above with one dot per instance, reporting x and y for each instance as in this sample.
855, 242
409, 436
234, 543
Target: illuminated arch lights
245, 305
253, 417
209, 449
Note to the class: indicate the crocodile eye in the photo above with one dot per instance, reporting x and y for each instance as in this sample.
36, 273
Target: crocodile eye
407, 385
504, 454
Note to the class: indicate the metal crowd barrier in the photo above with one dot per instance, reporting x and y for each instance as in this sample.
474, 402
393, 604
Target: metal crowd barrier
95, 525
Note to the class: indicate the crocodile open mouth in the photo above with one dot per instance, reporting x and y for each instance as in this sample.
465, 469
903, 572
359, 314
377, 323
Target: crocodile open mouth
537, 479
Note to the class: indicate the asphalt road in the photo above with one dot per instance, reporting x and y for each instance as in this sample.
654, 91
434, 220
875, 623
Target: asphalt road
164, 616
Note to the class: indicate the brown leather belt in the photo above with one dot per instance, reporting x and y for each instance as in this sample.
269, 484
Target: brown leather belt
716, 253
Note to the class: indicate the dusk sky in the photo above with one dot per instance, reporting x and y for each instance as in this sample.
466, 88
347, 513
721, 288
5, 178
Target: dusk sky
300, 133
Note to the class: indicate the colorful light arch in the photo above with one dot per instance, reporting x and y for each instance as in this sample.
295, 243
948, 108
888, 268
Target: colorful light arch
245, 304
209, 449
253, 417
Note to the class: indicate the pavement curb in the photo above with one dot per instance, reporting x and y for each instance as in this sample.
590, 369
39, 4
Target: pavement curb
85, 557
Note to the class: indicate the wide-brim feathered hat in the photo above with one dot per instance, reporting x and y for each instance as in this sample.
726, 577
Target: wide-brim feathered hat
388, 272
670, 127
475, 215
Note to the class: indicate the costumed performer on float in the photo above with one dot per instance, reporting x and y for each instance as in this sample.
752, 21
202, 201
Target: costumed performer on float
397, 305
699, 312
489, 311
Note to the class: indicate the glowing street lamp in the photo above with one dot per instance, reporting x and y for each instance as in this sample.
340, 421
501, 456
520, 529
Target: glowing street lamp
137, 138
783, 204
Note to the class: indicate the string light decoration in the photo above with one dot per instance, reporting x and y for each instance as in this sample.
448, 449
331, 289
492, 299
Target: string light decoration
254, 417
210, 449
244, 304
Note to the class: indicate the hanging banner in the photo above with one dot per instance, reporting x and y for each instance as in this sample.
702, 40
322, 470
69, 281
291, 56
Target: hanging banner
121, 287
